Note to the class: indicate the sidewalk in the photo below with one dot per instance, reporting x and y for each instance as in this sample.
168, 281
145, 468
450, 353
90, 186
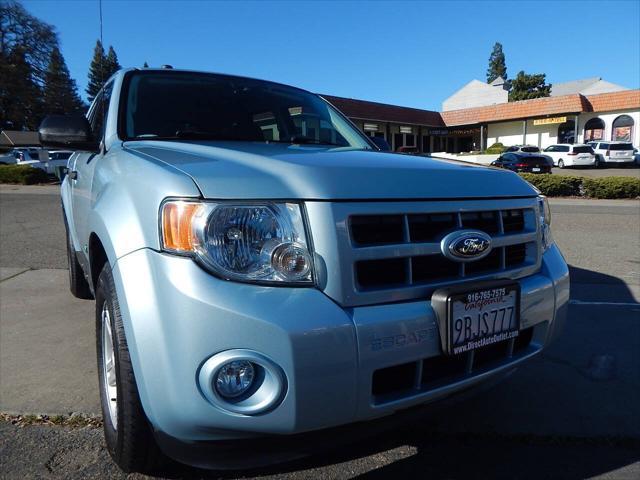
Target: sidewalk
31, 189
47, 345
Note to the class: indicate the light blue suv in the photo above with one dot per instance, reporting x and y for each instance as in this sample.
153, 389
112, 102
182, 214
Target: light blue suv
262, 272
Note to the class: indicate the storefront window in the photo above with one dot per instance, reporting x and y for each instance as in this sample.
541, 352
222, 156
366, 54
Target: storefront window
622, 129
566, 132
594, 130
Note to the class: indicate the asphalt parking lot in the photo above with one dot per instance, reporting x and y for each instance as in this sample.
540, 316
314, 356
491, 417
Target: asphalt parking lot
573, 412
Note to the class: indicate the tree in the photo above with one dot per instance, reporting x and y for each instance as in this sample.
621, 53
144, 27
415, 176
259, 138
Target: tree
26, 44
497, 65
97, 72
101, 68
146, 65
112, 65
20, 96
527, 86
60, 92
35, 38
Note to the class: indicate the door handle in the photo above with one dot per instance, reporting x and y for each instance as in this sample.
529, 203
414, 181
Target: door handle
73, 175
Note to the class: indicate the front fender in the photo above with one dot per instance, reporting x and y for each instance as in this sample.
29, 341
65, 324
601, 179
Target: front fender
65, 197
126, 194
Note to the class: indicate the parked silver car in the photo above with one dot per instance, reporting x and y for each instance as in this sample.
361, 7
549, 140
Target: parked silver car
262, 273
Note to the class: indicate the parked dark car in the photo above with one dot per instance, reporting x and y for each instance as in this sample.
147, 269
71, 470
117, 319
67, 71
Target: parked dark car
523, 148
523, 162
408, 150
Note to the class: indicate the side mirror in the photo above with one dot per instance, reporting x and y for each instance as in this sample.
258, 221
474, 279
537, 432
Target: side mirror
71, 132
381, 143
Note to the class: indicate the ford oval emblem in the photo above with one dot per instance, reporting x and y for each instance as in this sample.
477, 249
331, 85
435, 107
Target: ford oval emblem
466, 245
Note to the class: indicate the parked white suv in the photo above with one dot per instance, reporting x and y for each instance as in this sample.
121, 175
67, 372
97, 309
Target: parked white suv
569, 155
613, 152
57, 158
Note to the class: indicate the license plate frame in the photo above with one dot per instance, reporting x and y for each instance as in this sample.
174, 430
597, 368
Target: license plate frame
443, 302
535, 169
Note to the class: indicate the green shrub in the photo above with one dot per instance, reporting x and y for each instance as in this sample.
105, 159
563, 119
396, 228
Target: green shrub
495, 148
555, 185
22, 174
612, 187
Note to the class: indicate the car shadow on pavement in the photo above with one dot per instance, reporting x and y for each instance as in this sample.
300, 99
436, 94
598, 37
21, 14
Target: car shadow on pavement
587, 285
572, 412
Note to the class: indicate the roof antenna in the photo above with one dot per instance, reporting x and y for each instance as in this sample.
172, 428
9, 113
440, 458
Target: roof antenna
103, 112
101, 43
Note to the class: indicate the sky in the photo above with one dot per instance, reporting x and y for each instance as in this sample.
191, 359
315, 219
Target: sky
404, 53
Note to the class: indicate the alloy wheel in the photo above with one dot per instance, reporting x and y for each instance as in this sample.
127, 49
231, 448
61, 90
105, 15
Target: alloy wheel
109, 375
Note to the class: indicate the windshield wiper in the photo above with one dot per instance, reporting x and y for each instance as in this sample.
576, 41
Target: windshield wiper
188, 134
197, 134
304, 140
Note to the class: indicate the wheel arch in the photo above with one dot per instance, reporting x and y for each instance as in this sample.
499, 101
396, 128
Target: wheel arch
97, 258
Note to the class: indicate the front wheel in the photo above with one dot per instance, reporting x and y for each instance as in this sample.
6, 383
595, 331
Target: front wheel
127, 431
560, 163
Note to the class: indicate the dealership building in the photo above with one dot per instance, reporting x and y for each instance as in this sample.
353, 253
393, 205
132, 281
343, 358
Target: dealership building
480, 114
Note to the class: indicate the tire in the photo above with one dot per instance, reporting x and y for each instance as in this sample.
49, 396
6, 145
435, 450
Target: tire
560, 163
127, 431
78, 285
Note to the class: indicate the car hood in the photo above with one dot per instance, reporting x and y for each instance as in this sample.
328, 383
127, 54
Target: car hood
247, 170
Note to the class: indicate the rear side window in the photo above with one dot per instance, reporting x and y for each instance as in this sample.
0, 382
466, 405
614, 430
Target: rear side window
582, 150
562, 148
621, 146
533, 160
604, 146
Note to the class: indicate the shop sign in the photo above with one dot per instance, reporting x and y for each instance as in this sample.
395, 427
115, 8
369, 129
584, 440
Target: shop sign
549, 121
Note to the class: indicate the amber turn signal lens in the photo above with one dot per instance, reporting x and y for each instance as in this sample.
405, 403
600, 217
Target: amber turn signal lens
177, 233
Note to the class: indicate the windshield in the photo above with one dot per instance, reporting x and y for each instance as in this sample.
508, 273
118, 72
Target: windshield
621, 146
184, 105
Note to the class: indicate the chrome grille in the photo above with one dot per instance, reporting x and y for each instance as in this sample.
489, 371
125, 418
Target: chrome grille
384, 252
429, 229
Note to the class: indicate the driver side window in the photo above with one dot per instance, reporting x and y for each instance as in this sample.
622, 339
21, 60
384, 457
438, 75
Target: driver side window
98, 115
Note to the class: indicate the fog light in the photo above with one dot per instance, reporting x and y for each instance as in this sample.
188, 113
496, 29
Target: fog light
234, 378
292, 261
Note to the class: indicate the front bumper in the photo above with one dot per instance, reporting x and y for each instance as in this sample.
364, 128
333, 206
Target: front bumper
176, 316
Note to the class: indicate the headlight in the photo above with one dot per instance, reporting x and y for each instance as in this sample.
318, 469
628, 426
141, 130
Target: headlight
545, 222
243, 242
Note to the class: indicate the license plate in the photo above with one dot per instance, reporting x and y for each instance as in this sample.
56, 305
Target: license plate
535, 169
482, 317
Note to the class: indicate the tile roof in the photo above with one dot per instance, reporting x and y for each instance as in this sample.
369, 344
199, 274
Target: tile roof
383, 112
502, 112
515, 110
605, 102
